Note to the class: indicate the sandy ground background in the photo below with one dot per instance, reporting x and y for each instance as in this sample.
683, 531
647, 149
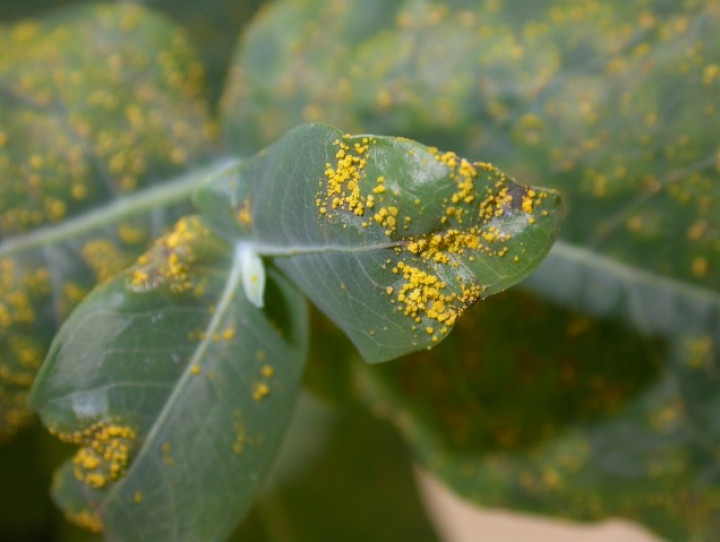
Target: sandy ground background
458, 521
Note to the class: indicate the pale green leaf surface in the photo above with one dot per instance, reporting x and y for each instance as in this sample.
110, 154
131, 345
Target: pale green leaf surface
687, 316
172, 367
97, 107
391, 239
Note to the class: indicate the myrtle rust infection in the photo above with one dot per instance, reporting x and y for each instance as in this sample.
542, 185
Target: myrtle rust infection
86, 519
104, 453
469, 226
131, 104
171, 259
261, 389
24, 290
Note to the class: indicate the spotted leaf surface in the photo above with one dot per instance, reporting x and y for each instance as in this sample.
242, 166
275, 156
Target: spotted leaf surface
100, 117
608, 102
391, 239
176, 389
612, 103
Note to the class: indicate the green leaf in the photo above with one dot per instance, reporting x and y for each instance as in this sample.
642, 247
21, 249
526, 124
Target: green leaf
592, 426
95, 133
213, 27
176, 387
391, 239
612, 103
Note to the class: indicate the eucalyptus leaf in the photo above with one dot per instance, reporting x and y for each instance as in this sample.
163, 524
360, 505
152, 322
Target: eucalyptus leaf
100, 117
177, 389
391, 239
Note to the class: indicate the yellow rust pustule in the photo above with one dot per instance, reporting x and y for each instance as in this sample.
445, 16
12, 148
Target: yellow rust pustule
104, 454
342, 189
171, 259
470, 225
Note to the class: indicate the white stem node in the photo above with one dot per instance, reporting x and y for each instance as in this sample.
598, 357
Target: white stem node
253, 273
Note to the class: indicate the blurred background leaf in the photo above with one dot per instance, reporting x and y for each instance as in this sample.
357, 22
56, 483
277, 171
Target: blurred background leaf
101, 117
213, 27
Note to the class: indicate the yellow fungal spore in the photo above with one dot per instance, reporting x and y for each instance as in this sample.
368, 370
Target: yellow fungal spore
104, 453
260, 391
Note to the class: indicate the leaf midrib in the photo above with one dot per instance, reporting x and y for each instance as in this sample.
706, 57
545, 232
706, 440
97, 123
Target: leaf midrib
167, 193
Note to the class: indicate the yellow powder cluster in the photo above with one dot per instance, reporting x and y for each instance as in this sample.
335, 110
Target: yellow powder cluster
465, 226
130, 234
170, 260
343, 180
18, 289
425, 295
243, 213
262, 389
105, 452
113, 130
387, 218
